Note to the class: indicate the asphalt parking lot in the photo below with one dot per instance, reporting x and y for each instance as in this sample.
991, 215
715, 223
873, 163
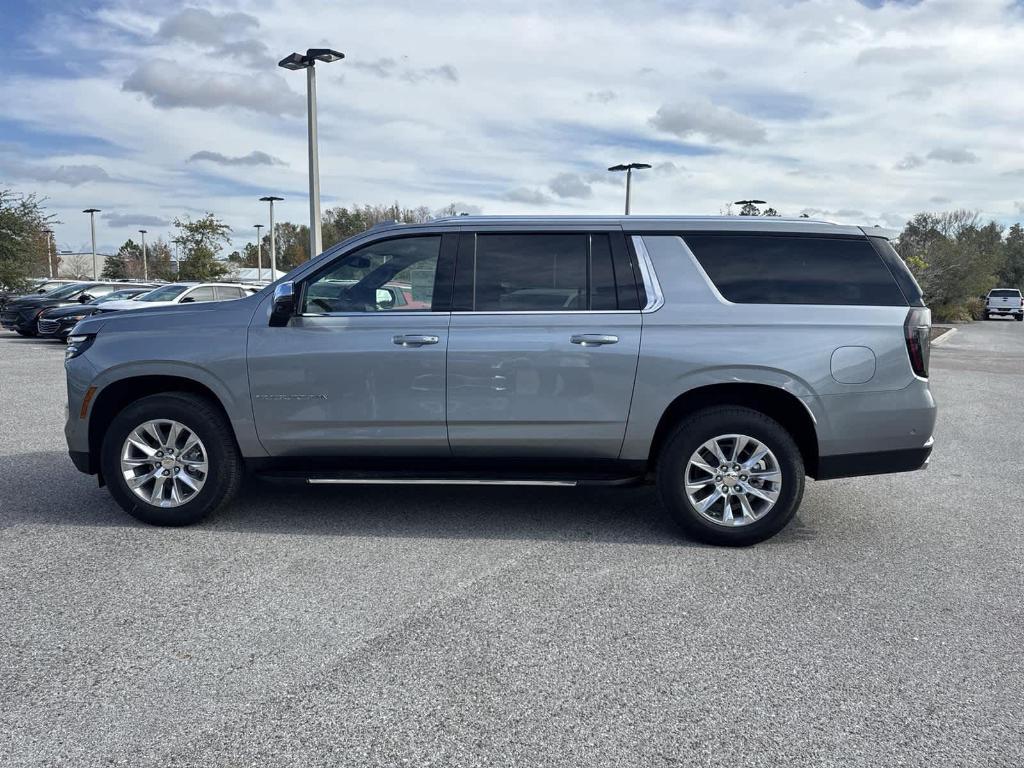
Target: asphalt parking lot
499, 626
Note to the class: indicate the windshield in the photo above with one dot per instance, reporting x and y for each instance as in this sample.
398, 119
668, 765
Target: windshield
67, 291
115, 296
167, 293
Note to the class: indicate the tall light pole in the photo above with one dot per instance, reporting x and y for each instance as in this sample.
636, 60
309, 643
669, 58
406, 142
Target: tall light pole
296, 61
92, 227
145, 269
49, 251
273, 250
259, 252
629, 168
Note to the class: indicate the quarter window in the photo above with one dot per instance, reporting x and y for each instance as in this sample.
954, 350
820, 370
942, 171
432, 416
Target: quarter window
391, 275
772, 269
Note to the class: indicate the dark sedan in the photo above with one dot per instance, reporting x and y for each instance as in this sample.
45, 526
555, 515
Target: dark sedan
21, 314
57, 323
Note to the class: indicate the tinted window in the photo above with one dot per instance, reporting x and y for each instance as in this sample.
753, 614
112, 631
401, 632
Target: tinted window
521, 273
1004, 293
769, 269
202, 293
384, 276
900, 270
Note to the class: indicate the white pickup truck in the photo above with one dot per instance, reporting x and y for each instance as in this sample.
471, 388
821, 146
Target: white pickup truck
1004, 301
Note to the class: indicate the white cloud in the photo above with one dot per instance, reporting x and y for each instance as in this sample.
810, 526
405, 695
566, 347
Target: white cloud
255, 157
70, 175
168, 85
955, 156
570, 185
133, 220
702, 118
526, 195
909, 163
701, 98
199, 25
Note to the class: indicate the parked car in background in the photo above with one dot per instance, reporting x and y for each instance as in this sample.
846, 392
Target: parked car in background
22, 314
1004, 302
57, 323
726, 358
183, 293
37, 286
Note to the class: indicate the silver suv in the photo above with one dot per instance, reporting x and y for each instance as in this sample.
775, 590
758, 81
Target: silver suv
725, 358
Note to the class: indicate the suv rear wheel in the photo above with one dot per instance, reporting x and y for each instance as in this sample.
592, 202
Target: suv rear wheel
171, 459
731, 476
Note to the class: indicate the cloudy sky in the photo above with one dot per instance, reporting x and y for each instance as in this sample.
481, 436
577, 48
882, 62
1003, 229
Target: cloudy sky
862, 111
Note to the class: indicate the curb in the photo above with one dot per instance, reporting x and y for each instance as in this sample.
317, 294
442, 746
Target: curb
943, 338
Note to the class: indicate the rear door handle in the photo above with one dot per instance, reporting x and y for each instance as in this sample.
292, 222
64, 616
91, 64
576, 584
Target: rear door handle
415, 340
593, 339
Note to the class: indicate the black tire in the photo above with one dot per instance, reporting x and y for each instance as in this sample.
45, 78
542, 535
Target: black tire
1019, 318
210, 426
697, 429
25, 332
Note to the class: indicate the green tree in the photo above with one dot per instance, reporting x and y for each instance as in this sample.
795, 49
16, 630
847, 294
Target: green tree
200, 241
749, 209
954, 257
158, 261
116, 267
1012, 272
23, 238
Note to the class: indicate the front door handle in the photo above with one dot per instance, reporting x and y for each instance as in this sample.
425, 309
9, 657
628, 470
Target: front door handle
415, 340
594, 339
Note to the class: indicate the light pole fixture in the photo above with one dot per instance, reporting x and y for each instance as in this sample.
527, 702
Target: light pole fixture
629, 168
92, 228
745, 203
145, 269
296, 61
273, 250
259, 252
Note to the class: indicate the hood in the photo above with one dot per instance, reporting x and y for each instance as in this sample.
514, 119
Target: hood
117, 306
42, 301
73, 309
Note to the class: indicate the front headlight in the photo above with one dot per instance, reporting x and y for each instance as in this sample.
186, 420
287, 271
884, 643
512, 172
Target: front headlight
77, 344
76, 318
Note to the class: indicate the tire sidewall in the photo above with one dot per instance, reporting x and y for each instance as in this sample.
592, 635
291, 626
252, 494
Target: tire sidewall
183, 410
701, 428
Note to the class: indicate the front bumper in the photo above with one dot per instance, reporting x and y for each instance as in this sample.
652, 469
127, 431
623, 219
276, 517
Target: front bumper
14, 320
56, 328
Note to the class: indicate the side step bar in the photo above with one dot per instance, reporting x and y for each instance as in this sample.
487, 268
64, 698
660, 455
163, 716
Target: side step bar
436, 481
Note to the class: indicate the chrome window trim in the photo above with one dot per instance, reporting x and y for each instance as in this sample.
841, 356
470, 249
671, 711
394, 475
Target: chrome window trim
655, 298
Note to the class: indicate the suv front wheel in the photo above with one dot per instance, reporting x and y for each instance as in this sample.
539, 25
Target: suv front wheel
731, 476
171, 459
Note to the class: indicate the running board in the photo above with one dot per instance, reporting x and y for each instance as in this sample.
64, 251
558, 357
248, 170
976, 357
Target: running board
432, 481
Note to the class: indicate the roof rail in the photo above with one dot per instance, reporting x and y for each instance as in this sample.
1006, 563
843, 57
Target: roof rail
383, 224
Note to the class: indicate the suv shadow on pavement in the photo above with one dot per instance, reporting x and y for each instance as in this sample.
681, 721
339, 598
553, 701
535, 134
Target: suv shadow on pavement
595, 514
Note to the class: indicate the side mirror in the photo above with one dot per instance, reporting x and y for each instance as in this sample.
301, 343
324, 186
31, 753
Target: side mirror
84, 298
284, 305
188, 300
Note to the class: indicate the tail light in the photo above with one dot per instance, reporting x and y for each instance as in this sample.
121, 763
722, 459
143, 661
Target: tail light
917, 330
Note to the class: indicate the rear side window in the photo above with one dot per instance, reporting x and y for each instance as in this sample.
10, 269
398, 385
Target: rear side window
542, 272
1004, 293
228, 292
779, 269
900, 271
